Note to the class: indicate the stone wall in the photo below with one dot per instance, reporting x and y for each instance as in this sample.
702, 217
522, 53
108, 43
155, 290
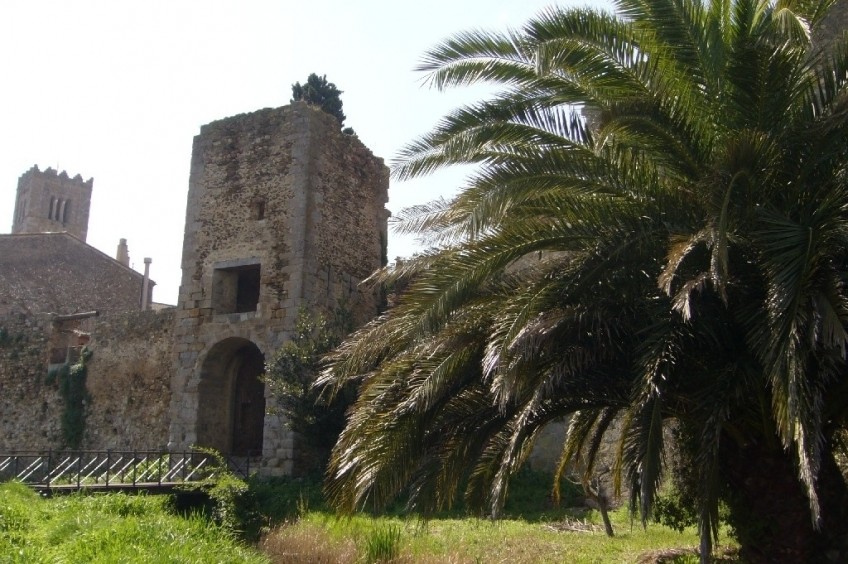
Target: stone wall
28, 405
58, 273
284, 211
50, 201
346, 232
128, 377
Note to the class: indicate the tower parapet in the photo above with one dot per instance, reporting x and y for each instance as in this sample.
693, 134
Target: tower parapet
52, 201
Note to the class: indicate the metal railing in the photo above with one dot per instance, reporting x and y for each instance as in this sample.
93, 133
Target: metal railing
103, 469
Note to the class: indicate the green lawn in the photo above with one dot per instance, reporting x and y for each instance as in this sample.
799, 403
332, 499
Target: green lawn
108, 528
122, 528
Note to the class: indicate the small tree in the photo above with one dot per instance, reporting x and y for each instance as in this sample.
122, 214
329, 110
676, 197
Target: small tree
318, 92
290, 375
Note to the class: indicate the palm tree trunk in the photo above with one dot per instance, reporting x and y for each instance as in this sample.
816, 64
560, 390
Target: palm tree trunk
770, 512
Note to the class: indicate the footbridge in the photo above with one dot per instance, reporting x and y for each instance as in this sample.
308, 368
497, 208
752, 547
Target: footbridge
65, 471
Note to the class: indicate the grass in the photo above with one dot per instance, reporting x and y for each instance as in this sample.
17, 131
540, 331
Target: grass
298, 527
467, 540
108, 528
534, 531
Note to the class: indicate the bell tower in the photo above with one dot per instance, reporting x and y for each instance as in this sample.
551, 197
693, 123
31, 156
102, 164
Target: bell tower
50, 201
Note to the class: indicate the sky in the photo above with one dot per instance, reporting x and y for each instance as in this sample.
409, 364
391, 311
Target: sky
116, 91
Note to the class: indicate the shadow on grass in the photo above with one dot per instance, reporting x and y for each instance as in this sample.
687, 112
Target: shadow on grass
272, 501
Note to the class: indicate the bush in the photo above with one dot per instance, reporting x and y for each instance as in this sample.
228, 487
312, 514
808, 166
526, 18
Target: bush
290, 375
674, 510
317, 91
246, 508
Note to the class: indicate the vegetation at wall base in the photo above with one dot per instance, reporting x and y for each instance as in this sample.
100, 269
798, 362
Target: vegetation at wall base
532, 529
246, 508
10, 340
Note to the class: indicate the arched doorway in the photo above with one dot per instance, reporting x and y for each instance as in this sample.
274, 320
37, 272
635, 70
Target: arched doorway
231, 410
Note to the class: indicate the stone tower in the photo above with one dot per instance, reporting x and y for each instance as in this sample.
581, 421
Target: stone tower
50, 201
284, 211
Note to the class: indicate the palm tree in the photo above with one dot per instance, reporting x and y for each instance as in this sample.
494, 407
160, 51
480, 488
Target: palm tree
656, 233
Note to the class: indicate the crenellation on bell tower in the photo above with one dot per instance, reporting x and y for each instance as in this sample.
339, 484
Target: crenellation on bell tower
51, 201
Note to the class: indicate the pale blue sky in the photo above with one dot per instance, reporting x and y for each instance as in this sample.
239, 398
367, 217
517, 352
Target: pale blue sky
117, 90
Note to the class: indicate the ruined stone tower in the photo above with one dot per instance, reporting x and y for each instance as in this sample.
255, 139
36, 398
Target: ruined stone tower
284, 211
50, 201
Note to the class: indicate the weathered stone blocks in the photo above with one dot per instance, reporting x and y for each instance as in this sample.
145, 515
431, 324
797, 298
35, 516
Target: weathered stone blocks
282, 192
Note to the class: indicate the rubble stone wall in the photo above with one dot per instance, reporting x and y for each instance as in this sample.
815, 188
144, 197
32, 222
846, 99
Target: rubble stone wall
285, 192
128, 379
56, 272
28, 405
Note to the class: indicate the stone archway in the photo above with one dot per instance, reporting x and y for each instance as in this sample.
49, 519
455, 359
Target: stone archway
231, 398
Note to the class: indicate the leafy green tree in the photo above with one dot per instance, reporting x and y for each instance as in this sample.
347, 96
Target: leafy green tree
657, 231
318, 92
290, 374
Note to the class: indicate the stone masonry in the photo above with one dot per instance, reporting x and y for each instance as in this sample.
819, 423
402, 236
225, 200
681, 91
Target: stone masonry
284, 211
128, 380
58, 273
50, 201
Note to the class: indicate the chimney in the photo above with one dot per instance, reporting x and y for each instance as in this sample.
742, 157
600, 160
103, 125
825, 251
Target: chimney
123, 255
145, 286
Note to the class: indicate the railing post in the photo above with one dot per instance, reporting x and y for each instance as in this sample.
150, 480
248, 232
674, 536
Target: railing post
134, 465
79, 468
108, 465
159, 468
49, 459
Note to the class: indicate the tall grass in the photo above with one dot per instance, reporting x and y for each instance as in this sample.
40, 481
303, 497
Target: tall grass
382, 544
109, 528
323, 537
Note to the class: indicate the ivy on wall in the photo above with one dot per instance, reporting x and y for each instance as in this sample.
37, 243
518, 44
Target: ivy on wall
70, 379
